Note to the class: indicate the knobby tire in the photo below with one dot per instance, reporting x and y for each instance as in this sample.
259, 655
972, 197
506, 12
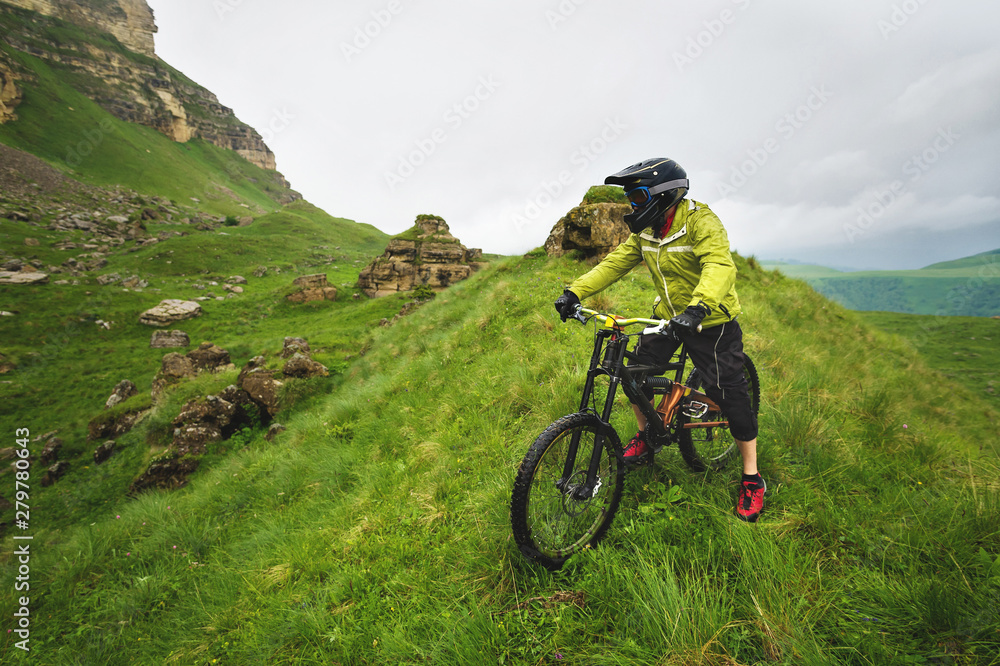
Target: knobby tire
549, 525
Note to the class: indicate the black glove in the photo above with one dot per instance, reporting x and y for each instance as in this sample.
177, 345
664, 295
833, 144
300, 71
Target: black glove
566, 304
688, 322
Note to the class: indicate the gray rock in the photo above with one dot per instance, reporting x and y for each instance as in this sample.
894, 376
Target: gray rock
167, 339
168, 311
21, 277
104, 451
124, 390
302, 366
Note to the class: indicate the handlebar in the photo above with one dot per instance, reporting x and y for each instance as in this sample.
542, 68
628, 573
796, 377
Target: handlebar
653, 326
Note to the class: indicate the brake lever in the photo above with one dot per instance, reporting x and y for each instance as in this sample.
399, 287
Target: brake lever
659, 329
578, 315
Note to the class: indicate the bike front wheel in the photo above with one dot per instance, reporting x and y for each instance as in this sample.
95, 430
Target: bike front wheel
705, 447
554, 512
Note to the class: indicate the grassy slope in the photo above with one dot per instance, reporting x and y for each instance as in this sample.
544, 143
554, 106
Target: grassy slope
67, 364
963, 349
74, 134
375, 530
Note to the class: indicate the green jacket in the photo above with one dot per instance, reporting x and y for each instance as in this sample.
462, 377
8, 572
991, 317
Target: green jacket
691, 264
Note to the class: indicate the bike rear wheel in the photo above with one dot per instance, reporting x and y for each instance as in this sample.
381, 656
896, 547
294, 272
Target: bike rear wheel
710, 448
549, 520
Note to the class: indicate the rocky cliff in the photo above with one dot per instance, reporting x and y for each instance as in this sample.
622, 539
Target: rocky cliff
425, 254
130, 21
122, 74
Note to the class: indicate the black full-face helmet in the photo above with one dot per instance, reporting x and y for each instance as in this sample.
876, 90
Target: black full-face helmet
653, 187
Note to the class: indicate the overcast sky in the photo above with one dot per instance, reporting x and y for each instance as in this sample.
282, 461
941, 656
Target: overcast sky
859, 134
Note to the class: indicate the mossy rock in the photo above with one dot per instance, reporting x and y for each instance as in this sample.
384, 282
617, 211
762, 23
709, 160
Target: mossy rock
604, 194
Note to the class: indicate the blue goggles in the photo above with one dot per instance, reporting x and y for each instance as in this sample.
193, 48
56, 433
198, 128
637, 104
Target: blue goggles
640, 197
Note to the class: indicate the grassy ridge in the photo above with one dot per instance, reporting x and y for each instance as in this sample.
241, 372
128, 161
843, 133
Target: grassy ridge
375, 530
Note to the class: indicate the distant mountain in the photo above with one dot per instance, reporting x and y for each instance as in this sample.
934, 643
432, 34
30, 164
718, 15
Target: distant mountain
975, 261
969, 286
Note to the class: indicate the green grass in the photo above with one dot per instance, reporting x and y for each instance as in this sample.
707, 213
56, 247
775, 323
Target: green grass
375, 529
72, 133
965, 350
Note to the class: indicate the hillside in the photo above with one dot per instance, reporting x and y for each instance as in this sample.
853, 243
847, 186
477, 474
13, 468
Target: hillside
964, 287
375, 529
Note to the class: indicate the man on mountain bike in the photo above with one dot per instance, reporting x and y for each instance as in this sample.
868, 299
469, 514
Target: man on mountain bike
686, 250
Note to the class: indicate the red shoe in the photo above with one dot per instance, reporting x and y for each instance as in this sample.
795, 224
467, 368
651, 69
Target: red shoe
636, 448
750, 502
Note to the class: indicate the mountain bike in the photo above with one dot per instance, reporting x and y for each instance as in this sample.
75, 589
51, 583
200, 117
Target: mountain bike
570, 482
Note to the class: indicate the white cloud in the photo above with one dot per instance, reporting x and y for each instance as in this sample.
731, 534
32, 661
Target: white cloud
752, 72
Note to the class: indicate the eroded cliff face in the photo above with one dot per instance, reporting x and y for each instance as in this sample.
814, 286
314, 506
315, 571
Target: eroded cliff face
134, 85
130, 21
10, 93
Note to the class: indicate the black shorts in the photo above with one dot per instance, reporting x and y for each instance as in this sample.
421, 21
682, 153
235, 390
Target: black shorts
717, 352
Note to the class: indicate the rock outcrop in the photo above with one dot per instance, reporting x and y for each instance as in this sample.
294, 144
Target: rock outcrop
10, 93
593, 229
130, 21
168, 339
23, 277
169, 311
312, 288
426, 254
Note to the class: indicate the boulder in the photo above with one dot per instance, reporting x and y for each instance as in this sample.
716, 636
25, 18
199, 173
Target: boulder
168, 311
22, 277
122, 392
208, 357
294, 345
111, 427
302, 366
261, 385
50, 451
236, 279
165, 474
167, 339
594, 229
55, 472
176, 366
312, 288
104, 451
